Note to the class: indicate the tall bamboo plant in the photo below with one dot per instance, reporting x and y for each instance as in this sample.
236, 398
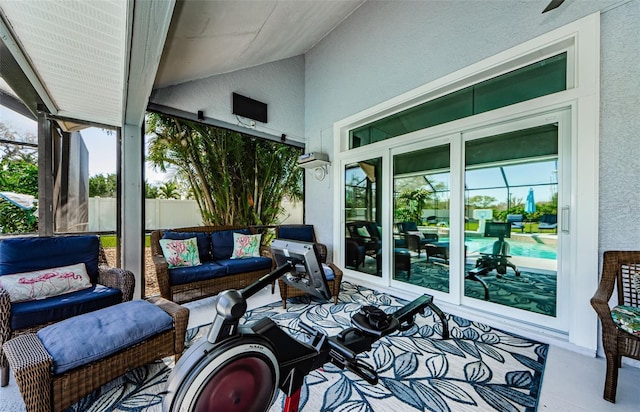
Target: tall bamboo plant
236, 179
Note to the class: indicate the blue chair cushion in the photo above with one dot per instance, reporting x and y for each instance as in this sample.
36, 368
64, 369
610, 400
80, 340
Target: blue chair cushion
248, 264
203, 239
27, 254
409, 226
222, 242
56, 308
328, 272
187, 274
302, 233
93, 336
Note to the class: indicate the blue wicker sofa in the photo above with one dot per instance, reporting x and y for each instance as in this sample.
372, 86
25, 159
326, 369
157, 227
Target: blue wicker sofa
217, 271
32, 261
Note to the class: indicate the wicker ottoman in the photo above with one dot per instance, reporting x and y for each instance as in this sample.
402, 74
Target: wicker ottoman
53, 382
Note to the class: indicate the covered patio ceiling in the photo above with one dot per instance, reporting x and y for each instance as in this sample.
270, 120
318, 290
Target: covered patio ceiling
99, 61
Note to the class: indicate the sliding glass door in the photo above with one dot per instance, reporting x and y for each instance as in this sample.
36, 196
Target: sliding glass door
516, 179
363, 216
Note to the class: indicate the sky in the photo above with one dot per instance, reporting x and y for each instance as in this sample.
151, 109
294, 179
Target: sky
100, 144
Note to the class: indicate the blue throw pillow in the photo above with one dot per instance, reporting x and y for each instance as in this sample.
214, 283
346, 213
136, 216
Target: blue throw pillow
303, 233
28, 254
222, 242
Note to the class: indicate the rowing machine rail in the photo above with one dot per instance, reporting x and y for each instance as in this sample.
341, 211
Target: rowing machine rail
240, 367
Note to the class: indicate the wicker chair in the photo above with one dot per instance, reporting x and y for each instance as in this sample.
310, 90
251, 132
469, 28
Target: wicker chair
306, 233
107, 276
618, 269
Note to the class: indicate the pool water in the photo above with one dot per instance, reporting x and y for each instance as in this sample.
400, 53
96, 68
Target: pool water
525, 249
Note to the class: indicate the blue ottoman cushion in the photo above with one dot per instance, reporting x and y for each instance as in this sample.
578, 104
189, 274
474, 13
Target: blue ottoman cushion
83, 339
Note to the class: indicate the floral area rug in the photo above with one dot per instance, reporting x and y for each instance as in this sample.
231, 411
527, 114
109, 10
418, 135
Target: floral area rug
478, 369
532, 291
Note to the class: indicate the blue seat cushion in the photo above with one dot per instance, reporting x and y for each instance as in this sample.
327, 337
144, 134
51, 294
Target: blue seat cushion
440, 244
222, 242
188, 274
28, 254
93, 336
303, 233
248, 264
399, 242
401, 251
56, 308
203, 239
328, 272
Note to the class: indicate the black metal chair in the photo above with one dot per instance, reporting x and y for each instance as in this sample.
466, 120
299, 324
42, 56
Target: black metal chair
498, 259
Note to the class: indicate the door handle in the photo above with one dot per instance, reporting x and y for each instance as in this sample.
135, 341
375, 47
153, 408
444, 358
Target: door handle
565, 219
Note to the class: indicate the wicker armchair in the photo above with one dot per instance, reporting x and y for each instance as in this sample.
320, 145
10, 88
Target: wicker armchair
111, 277
618, 269
305, 233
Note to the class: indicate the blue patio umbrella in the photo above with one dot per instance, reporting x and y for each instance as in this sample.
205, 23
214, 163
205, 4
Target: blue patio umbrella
22, 201
530, 207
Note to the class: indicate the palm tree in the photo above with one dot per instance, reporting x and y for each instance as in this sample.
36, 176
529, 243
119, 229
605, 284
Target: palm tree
235, 178
168, 190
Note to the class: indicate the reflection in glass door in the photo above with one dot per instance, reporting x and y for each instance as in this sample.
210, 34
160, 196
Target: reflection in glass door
363, 220
421, 217
511, 208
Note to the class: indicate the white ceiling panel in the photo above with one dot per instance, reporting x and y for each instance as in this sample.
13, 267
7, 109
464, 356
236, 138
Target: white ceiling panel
77, 49
213, 37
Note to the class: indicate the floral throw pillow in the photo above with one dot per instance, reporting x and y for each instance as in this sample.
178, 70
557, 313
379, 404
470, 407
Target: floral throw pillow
45, 283
180, 252
245, 245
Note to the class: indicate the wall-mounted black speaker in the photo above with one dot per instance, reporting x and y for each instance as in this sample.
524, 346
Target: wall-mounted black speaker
200, 115
249, 108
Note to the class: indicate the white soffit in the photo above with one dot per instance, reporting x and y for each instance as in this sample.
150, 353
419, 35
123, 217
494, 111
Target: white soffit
5, 88
77, 49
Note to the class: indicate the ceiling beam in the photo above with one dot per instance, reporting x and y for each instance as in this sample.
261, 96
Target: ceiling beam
150, 21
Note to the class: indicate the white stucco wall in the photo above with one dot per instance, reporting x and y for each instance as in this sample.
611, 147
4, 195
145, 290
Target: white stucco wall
386, 49
280, 85
620, 128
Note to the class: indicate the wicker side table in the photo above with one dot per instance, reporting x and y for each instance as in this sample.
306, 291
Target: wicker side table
44, 392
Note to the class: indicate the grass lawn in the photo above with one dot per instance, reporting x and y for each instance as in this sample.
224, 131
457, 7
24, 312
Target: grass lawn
110, 241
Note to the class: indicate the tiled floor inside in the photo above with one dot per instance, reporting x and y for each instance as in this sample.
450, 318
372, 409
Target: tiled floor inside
572, 382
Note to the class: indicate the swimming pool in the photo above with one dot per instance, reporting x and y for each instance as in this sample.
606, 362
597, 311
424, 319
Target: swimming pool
517, 248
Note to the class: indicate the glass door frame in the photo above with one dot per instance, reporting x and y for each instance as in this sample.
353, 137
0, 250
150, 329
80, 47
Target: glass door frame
456, 208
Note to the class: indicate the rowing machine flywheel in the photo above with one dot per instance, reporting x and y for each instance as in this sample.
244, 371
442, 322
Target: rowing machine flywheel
235, 375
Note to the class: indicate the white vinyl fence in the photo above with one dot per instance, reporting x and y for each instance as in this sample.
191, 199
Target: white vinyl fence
167, 213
